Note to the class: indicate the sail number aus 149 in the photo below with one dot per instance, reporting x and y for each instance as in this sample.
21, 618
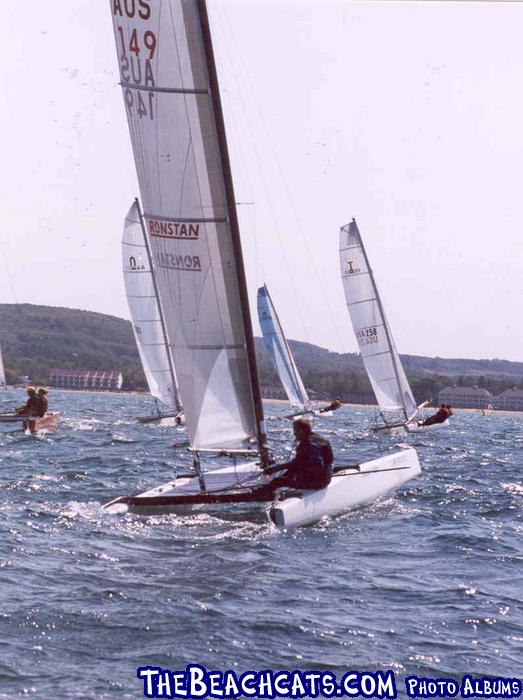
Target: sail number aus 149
135, 66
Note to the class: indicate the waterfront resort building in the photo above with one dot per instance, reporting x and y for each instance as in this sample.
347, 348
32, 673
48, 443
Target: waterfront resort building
84, 379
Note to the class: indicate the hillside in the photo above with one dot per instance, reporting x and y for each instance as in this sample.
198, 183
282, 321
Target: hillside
36, 338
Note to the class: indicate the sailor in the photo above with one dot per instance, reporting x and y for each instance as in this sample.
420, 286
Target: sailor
333, 406
32, 407
311, 468
440, 417
44, 401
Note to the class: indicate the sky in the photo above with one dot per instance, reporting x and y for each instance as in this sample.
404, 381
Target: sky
405, 115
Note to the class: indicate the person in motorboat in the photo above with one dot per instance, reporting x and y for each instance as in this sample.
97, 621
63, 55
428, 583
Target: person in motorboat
333, 406
32, 406
440, 417
44, 401
311, 467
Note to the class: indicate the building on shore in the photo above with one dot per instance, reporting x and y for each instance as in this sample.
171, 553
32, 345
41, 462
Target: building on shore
466, 397
84, 379
509, 400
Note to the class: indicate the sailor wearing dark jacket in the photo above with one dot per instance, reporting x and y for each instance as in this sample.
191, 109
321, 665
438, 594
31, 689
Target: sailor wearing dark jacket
311, 467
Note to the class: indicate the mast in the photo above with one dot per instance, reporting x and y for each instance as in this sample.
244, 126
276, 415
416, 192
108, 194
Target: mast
385, 325
172, 372
235, 229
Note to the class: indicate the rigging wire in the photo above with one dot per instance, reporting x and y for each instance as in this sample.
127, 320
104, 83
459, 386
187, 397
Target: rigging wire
226, 91
284, 181
226, 43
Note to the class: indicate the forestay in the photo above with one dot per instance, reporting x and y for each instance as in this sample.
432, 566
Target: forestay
146, 313
176, 127
279, 351
372, 330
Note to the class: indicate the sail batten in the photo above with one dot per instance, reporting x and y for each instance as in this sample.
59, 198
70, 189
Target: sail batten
377, 347
178, 137
280, 353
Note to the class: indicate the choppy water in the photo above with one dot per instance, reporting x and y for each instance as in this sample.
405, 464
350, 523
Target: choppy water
425, 581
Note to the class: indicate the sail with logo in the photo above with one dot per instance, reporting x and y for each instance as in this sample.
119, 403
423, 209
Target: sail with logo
147, 317
171, 93
189, 219
377, 348
280, 353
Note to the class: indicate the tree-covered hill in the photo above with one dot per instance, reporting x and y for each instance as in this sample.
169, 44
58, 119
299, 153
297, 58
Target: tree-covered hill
36, 338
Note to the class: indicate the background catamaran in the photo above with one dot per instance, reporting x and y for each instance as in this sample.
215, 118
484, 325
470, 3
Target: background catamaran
397, 405
149, 326
178, 136
281, 355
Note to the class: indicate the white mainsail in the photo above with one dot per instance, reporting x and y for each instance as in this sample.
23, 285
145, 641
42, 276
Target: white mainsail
280, 353
176, 123
371, 327
146, 313
171, 95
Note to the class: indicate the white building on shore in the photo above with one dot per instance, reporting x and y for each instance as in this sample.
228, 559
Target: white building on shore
100, 380
466, 397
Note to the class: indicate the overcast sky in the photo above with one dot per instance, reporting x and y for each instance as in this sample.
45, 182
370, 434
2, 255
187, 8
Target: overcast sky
407, 116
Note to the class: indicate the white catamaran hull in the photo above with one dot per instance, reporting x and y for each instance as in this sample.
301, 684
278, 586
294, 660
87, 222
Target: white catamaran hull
388, 430
243, 484
350, 488
415, 428
166, 419
411, 427
310, 414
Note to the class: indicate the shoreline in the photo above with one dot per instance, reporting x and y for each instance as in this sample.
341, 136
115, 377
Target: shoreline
427, 408
112, 392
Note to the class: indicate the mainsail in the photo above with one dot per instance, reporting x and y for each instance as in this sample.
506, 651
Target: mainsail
146, 313
371, 327
279, 351
170, 90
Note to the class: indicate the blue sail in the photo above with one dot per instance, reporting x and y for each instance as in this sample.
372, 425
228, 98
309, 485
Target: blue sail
280, 353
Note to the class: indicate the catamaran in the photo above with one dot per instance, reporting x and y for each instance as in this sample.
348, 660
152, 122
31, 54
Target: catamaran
171, 93
397, 406
148, 320
281, 356
283, 360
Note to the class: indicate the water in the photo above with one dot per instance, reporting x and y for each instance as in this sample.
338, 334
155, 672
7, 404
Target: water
425, 581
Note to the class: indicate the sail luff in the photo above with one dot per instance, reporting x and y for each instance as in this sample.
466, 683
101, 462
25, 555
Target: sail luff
170, 89
280, 352
235, 229
168, 349
385, 323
